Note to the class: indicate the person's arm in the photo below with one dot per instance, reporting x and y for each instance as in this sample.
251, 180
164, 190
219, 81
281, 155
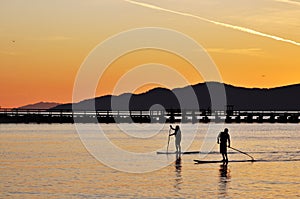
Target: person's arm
228, 140
218, 138
172, 127
175, 132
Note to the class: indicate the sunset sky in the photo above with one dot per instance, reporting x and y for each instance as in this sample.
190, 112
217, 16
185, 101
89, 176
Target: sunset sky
254, 43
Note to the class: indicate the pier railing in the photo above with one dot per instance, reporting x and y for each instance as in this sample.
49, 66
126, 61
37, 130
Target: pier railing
146, 116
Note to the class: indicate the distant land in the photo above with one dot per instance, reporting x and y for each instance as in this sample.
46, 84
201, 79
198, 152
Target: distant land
40, 105
286, 98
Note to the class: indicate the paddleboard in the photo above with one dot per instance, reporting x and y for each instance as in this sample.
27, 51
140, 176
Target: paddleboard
174, 152
219, 161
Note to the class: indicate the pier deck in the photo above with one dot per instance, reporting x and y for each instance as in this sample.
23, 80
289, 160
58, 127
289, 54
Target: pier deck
146, 116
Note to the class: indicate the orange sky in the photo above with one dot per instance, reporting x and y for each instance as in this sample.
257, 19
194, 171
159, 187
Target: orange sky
43, 43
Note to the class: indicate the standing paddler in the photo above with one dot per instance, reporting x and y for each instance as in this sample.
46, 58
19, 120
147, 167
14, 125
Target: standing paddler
177, 134
222, 139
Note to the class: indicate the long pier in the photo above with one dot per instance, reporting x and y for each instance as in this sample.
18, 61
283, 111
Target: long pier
146, 116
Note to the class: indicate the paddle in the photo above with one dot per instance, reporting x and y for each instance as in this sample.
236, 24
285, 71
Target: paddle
168, 140
252, 159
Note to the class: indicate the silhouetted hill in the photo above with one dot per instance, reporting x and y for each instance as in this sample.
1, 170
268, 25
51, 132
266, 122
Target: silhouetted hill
282, 98
40, 105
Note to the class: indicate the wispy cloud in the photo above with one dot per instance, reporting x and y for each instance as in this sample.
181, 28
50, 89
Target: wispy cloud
7, 53
240, 51
289, 2
52, 38
239, 28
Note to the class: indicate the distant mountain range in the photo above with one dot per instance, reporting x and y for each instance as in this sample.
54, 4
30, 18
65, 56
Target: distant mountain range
286, 98
40, 105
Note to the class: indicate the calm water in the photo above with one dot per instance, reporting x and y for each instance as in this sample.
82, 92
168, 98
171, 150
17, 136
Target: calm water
51, 161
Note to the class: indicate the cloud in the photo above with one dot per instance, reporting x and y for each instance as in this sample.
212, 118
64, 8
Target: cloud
52, 38
59, 38
7, 53
240, 51
289, 2
239, 28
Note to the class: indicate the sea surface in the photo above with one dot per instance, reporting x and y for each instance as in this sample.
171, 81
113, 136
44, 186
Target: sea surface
51, 161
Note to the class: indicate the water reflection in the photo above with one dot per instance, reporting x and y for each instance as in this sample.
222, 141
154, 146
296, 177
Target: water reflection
178, 177
224, 174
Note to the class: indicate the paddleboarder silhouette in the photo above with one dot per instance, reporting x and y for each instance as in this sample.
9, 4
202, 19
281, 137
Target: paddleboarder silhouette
222, 139
177, 134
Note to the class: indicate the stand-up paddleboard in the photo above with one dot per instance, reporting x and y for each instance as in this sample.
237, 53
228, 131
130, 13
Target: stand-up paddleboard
174, 152
219, 161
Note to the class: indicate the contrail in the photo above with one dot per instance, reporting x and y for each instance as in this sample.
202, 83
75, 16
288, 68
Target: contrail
289, 2
243, 29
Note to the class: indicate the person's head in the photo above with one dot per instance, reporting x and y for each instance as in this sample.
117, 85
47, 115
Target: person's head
177, 127
226, 130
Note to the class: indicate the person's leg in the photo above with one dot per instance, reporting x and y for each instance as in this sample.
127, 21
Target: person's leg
223, 151
226, 157
223, 155
177, 144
